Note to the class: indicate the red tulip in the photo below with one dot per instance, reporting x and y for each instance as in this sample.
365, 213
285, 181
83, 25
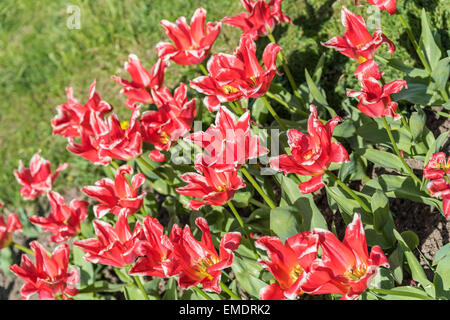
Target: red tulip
88, 148
117, 196
212, 186
232, 77
437, 167
73, 117
38, 179
114, 246
124, 143
143, 83
229, 143
375, 99
440, 188
7, 228
50, 277
345, 267
155, 251
260, 19
357, 43
64, 221
170, 122
191, 43
368, 69
289, 263
388, 5
311, 154
199, 261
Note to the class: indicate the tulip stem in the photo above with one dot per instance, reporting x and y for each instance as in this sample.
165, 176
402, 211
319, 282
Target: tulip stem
202, 293
229, 292
348, 190
202, 67
235, 108
242, 224
274, 114
288, 72
258, 188
394, 144
22, 248
239, 106
141, 287
414, 43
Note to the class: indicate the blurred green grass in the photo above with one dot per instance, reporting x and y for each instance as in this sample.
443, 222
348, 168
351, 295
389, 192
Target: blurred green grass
40, 56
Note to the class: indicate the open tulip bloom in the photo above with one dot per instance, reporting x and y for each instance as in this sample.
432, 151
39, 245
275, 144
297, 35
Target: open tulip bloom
38, 178
312, 154
7, 229
260, 18
357, 43
191, 43
232, 77
49, 277
388, 5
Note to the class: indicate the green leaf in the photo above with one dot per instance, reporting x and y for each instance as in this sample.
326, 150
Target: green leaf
285, 222
417, 272
442, 279
102, 286
396, 264
427, 43
86, 268
410, 238
442, 253
380, 209
381, 158
417, 123
403, 293
6, 260
247, 272
171, 290
317, 94
132, 293
259, 111
242, 198
441, 73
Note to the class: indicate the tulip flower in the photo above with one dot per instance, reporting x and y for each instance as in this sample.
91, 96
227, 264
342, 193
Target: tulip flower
440, 188
357, 43
63, 221
117, 196
375, 99
114, 246
199, 261
88, 148
143, 83
345, 267
191, 43
368, 69
437, 167
289, 263
260, 18
73, 117
232, 77
388, 5
155, 251
311, 154
121, 143
50, 277
7, 228
38, 179
229, 143
172, 120
212, 186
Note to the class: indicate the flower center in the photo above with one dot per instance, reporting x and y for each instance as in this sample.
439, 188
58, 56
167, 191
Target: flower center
296, 272
361, 59
357, 273
124, 125
164, 138
229, 89
253, 82
204, 264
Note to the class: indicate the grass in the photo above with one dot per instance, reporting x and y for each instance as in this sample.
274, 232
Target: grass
40, 56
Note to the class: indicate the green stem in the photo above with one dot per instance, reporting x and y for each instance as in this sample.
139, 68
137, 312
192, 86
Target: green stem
397, 151
242, 224
202, 293
258, 188
22, 248
444, 114
202, 67
257, 203
288, 73
114, 164
285, 104
273, 113
144, 163
233, 106
141, 287
239, 107
348, 190
229, 292
414, 43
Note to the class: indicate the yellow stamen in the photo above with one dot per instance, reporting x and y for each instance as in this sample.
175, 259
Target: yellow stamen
361, 59
229, 89
164, 138
124, 125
